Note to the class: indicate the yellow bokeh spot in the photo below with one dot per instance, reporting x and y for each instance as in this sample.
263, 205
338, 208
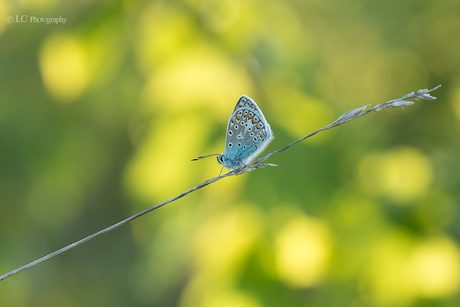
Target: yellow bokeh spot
223, 242
201, 75
216, 294
455, 100
435, 268
231, 299
220, 248
159, 168
403, 269
4, 12
163, 32
219, 15
64, 67
298, 113
388, 278
302, 251
403, 174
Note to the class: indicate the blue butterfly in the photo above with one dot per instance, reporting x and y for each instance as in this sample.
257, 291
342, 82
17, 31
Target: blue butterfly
248, 134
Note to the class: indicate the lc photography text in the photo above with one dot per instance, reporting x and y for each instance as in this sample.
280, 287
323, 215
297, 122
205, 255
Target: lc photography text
33, 19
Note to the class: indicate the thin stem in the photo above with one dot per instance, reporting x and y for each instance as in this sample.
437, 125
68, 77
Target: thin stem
346, 117
353, 114
75, 244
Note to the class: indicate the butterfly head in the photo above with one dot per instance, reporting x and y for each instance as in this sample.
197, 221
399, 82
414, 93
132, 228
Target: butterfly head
220, 159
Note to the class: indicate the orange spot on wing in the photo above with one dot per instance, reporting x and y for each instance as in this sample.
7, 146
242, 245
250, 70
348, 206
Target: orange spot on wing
254, 121
238, 116
259, 127
249, 116
262, 136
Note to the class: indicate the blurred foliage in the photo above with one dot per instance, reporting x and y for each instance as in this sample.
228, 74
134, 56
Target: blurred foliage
100, 116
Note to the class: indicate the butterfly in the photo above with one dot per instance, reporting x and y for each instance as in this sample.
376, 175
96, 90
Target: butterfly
248, 134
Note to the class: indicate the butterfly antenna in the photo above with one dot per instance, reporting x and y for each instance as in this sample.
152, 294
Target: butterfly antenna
202, 157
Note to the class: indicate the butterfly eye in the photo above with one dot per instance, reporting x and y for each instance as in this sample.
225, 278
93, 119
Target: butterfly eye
220, 159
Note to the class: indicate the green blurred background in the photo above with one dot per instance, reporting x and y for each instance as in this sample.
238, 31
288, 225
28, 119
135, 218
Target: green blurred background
100, 116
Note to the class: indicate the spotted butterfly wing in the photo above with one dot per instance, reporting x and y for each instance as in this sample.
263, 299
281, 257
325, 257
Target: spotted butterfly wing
248, 134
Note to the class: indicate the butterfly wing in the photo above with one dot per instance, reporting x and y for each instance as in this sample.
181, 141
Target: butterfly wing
248, 134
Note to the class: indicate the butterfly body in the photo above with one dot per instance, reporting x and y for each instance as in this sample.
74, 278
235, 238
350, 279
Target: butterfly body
248, 134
